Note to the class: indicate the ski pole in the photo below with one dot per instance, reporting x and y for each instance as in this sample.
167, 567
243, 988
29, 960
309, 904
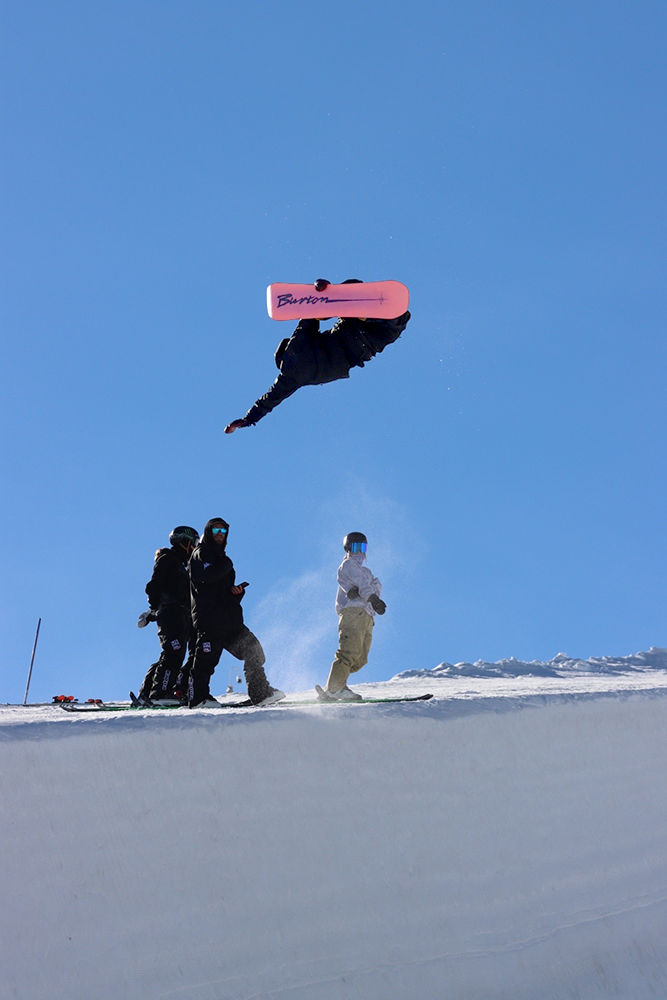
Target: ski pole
32, 660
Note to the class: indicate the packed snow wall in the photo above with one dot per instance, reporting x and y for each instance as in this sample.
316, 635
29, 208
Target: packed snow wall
486, 849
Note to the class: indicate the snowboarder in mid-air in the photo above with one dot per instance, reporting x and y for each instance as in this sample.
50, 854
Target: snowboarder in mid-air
312, 357
357, 602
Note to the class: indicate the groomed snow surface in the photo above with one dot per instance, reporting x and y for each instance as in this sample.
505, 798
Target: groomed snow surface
506, 840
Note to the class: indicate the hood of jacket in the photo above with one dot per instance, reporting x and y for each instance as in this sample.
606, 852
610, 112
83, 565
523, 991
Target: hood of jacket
207, 537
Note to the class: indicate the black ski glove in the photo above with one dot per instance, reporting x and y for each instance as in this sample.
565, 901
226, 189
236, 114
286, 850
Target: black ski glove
377, 604
353, 593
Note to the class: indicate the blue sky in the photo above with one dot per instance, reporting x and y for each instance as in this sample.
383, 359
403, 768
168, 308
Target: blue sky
163, 162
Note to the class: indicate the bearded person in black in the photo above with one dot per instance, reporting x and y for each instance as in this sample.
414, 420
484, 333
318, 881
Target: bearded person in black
218, 621
168, 593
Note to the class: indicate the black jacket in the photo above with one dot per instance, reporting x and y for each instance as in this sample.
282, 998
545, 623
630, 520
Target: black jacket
313, 357
169, 586
214, 608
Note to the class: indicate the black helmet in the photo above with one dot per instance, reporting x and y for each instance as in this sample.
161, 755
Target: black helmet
354, 536
184, 534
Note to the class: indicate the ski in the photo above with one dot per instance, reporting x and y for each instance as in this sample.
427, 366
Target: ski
138, 706
90, 709
138, 702
96, 707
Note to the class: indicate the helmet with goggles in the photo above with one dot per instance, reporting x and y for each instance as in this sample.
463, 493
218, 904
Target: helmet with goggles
355, 542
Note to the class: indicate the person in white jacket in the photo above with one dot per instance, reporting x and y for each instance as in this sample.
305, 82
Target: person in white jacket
357, 602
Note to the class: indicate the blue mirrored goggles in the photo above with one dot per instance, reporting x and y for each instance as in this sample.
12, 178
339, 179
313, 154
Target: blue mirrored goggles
358, 546
218, 531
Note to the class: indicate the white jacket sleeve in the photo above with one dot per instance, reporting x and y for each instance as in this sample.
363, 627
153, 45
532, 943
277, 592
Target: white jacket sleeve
352, 574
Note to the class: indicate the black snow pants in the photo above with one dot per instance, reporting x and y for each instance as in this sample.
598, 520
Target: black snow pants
242, 644
174, 629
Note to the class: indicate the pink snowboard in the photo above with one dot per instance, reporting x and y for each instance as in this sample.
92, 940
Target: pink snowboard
370, 299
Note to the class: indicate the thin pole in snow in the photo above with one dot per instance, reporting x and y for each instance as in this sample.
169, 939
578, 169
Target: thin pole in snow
32, 660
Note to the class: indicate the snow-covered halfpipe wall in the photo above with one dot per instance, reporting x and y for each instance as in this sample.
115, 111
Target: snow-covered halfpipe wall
475, 850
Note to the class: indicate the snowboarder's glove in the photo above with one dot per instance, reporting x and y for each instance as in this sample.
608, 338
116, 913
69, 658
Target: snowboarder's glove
353, 593
377, 604
230, 428
145, 617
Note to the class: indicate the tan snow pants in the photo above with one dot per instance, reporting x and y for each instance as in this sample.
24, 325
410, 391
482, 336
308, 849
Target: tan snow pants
355, 631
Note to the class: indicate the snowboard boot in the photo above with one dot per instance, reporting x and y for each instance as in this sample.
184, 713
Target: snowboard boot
272, 698
345, 694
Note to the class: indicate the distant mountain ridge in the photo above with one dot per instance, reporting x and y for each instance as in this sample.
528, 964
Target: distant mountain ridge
561, 665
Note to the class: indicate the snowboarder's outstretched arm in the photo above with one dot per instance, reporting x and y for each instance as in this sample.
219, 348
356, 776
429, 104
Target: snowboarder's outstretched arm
283, 387
290, 357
